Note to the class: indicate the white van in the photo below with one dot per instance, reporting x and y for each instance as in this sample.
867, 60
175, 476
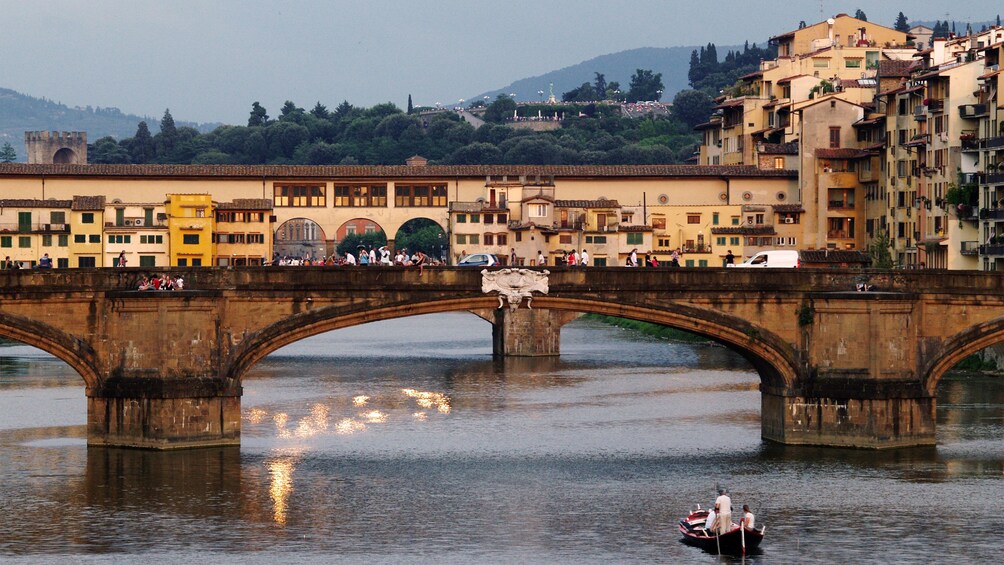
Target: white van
777, 259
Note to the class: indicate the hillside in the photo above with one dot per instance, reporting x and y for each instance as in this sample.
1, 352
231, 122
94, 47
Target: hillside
20, 113
672, 62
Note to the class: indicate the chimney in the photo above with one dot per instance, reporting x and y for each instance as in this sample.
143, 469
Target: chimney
416, 161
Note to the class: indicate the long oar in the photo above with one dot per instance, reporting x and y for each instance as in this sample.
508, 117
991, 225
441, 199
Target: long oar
742, 534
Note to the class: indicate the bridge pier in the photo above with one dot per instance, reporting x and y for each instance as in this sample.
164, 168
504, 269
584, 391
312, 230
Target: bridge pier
153, 413
528, 333
850, 415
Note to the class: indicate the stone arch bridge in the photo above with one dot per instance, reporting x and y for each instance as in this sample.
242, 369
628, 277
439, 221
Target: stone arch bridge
837, 367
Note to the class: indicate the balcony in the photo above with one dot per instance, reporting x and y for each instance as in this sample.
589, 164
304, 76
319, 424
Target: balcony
919, 113
973, 111
992, 214
993, 142
995, 249
970, 142
34, 227
935, 104
969, 248
995, 177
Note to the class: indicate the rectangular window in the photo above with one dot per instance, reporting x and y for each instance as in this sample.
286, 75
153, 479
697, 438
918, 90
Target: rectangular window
87, 218
519, 236
299, 195
693, 218
475, 218
120, 216
489, 239
46, 240
720, 241
688, 263
659, 222
635, 238
461, 218
256, 238
62, 263
461, 239
600, 239
852, 63
24, 221
489, 218
360, 195
57, 217
190, 239
147, 216
733, 241
64, 241
502, 218
599, 261
196, 262
820, 63
835, 136
474, 238
565, 239
182, 262
411, 196
86, 262
537, 210
502, 239
735, 220
778, 162
147, 261
702, 263
94, 238
79, 238
6, 241
714, 218
24, 242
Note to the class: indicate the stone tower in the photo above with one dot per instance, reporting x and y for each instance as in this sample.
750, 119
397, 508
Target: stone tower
63, 148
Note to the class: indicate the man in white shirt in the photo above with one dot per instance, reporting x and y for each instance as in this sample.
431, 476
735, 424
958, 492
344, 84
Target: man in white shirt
584, 258
709, 524
540, 258
349, 259
724, 504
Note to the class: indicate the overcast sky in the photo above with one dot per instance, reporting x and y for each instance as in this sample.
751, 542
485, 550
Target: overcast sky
209, 60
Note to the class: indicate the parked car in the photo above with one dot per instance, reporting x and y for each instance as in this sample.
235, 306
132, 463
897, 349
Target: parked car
479, 260
778, 258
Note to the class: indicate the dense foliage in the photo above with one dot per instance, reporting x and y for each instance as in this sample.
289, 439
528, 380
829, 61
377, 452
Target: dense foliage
386, 135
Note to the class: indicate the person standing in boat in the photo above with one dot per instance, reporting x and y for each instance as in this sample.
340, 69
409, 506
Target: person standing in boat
724, 504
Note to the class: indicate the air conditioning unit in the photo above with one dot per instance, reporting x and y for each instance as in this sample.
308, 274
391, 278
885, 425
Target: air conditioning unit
128, 222
137, 222
789, 220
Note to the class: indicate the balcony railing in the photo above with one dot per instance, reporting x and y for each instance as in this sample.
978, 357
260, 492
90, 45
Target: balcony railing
971, 143
972, 111
995, 177
34, 227
992, 214
969, 247
993, 142
936, 104
995, 249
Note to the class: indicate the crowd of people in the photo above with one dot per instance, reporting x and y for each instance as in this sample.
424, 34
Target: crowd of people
161, 282
364, 257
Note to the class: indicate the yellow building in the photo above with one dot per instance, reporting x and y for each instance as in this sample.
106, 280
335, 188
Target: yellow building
190, 226
87, 222
243, 233
31, 228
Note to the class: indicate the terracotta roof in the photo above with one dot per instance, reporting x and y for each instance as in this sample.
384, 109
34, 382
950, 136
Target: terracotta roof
586, 204
789, 79
731, 102
834, 256
246, 204
787, 208
708, 125
33, 203
284, 172
745, 230
869, 122
840, 153
912, 89
624, 228
751, 75
88, 203
778, 148
889, 68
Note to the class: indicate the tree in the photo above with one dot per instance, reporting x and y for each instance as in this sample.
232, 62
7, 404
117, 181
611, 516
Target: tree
600, 86
584, 93
7, 154
258, 115
902, 24
107, 151
645, 85
411, 108
320, 111
861, 15
500, 110
369, 240
692, 107
878, 248
167, 139
141, 146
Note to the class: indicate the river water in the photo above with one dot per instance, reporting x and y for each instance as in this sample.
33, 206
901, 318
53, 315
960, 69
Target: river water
402, 442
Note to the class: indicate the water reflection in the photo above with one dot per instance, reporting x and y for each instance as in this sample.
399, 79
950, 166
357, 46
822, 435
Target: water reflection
437, 453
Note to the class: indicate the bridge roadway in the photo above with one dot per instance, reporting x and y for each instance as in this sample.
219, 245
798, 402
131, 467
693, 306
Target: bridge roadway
837, 367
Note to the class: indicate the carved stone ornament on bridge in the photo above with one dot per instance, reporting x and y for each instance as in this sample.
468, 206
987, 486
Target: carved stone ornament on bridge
514, 285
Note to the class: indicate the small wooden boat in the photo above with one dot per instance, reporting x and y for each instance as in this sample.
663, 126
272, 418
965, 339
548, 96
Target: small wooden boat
737, 541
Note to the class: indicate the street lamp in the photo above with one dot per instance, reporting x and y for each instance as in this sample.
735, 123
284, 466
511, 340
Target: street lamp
658, 95
540, 94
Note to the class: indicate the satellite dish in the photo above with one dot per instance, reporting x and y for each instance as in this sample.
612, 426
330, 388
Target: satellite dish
831, 21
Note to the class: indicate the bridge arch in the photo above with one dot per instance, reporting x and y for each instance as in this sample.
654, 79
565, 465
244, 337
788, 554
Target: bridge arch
956, 348
78, 355
775, 361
